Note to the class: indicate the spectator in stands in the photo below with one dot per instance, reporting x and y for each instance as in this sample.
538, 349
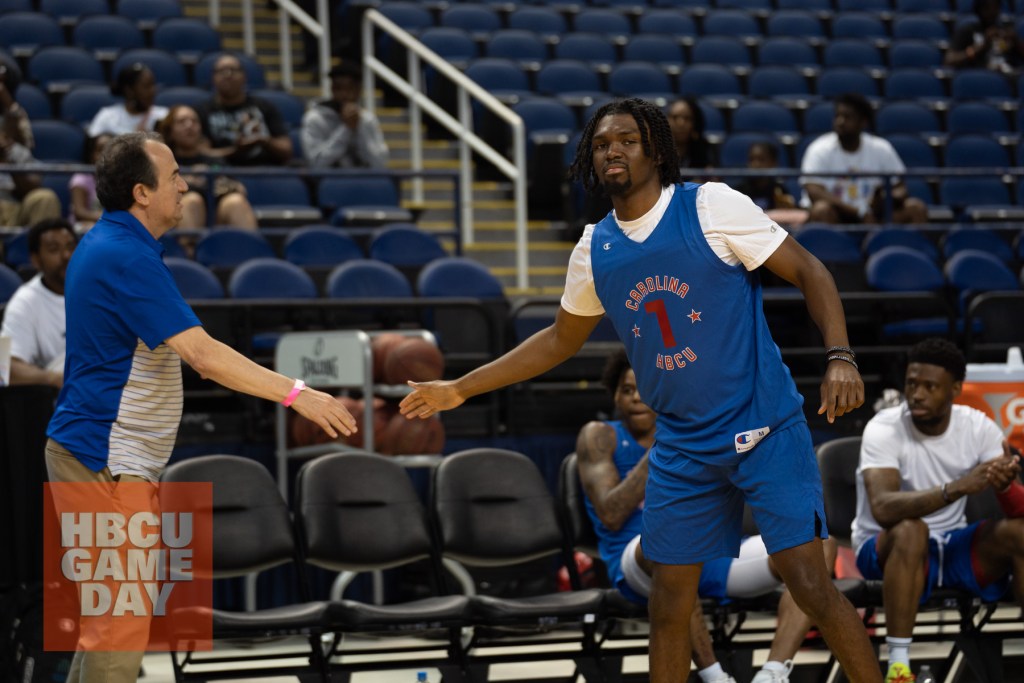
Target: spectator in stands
137, 85
612, 458
338, 132
767, 192
14, 123
184, 135
687, 121
128, 331
22, 199
986, 43
918, 462
34, 317
851, 149
242, 129
730, 420
85, 207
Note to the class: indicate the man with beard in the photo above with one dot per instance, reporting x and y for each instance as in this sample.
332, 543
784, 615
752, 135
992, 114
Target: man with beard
918, 462
673, 266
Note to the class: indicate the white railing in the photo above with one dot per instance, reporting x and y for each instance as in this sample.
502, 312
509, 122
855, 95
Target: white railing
411, 87
320, 28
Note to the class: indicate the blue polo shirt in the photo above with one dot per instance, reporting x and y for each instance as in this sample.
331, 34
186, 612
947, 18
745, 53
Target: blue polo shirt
121, 403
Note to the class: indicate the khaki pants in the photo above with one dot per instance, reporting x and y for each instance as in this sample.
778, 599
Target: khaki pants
92, 666
39, 204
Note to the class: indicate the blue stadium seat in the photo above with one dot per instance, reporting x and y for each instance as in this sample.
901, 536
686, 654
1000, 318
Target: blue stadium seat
458, 276
146, 13
478, 20
568, 79
254, 75
270, 278
906, 117
57, 69
971, 272
724, 50
822, 6
735, 148
596, 50
981, 84
902, 269
500, 77
280, 198
970, 197
976, 117
542, 20
818, 119
658, 49
186, 38
932, 6
667, 22
405, 246
794, 24
913, 151
22, 33
968, 151
757, 6
9, 283
172, 247
106, 35
58, 182
320, 246
606, 22
873, 6
858, 25
829, 245
702, 80
914, 53
81, 104
15, 6
167, 70
519, 45
777, 82
361, 200
782, 51
229, 247
69, 12
919, 84
453, 44
545, 116
412, 16
837, 80
640, 79
756, 116
978, 239
34, 101
16, 250
58, 141
919, 27
290, 106
194, 280
182, 94
367, 279
908, 238
731, 22
851, 52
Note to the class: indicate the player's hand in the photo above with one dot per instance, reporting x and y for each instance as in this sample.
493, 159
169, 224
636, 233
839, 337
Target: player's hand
1004, 470
326, 411
428, 398
842, 390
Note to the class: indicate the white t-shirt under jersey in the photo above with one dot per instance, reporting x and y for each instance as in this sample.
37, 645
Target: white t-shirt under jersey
826, 155
736, 230
34, 320
891, 441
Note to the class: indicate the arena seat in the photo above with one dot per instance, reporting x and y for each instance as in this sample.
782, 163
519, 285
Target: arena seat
321, 247
105, 35
367, 279
230, 247
194, 280
270, 278
9, 282
186, 38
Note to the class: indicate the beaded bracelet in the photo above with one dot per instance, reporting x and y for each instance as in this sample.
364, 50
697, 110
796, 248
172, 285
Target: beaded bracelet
840, 349
844, 358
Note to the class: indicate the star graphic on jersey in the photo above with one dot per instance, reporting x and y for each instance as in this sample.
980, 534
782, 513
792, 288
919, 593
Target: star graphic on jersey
694, 316
636, 331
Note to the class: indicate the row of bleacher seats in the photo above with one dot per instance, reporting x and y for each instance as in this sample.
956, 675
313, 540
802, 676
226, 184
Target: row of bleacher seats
700, 6
145, 13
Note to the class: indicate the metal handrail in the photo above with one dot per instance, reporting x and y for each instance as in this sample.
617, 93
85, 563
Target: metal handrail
461, 127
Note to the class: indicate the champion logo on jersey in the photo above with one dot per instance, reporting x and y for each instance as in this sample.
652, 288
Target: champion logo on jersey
747, 440
607, 246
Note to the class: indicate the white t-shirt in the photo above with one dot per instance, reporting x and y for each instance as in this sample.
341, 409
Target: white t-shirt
34, 320
735, 228
826, 155
115, 119
891, 441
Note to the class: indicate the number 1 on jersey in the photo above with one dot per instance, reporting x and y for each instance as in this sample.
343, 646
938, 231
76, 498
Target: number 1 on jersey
657, 307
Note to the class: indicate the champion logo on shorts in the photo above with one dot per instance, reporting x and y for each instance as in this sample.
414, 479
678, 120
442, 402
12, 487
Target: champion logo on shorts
747, 440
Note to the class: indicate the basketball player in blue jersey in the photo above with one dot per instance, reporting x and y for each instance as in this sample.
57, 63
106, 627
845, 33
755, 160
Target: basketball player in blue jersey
673, 267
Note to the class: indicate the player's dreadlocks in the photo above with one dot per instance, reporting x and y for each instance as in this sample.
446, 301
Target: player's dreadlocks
655, 134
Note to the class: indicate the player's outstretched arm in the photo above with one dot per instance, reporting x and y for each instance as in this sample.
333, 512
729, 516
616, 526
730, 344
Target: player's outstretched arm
536, 355
842, 389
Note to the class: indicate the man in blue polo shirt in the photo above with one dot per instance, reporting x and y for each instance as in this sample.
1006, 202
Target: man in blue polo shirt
128, 329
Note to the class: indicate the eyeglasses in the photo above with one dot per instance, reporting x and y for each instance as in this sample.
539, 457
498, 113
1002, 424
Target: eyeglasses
228, 70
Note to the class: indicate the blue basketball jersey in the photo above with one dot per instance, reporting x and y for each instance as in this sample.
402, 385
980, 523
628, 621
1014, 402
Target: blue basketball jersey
696, 336
611, 543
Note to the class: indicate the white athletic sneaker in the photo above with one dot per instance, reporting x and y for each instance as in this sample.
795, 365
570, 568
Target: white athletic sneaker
725, 678
763, 676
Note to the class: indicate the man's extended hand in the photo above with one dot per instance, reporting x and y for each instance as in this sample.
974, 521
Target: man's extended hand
842, 390
428, 398
1004, 470
326, 411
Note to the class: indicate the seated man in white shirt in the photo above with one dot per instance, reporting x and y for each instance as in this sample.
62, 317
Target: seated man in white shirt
34, 317
850, 149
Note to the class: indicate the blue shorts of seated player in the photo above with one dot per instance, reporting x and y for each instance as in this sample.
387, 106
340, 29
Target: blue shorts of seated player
950, 565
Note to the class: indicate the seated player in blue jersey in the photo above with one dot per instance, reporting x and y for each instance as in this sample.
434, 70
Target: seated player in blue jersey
673, 266
612, 460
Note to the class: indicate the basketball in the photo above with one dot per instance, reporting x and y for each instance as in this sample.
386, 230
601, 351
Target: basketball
414, 360
415, 437
381, 346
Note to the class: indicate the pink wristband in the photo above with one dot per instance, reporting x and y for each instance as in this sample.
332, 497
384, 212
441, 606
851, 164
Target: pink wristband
294, 393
